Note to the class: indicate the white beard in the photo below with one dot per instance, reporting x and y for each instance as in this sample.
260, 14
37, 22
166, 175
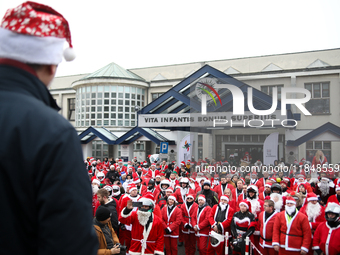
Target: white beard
313, 211
290, 209
324, 188
94, 189
143, 217
184, 191
278, 201
223, 206
255, 206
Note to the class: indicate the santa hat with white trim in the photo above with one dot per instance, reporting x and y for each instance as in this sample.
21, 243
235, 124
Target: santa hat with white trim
132, 187
312, 197
201, 197
35, 33
246, 203
148, 199
224, 197
337, 187
173, 198
290, 200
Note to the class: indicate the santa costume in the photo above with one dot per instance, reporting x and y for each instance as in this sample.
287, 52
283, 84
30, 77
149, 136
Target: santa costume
172, 218
292, 231
203, 226
147, 233
335, 198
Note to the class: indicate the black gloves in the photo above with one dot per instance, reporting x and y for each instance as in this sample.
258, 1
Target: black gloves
167, 231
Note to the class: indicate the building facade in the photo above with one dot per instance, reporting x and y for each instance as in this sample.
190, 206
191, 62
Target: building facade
111, 100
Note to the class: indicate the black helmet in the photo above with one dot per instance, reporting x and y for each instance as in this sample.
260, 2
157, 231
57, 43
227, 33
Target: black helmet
152, 183
276, 186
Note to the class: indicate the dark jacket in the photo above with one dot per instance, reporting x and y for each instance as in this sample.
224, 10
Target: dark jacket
114, 216
44, 186
112, 175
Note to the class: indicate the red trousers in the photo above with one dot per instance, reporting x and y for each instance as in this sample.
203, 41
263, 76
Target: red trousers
170, 246
268, 251
125, 236
189, 243
219, 249
202, 244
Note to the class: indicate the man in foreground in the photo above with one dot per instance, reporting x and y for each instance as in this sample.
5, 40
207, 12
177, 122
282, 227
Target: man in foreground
45, 188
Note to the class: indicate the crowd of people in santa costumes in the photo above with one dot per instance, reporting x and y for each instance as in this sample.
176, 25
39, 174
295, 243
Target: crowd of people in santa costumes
281, 212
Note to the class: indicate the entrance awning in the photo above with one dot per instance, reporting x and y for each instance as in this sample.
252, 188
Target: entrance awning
91, 133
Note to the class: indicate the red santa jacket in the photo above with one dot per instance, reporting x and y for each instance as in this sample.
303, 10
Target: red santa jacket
172, 221
144, 241
189, 216
266, 229
229, 212
142, 189
292, 236
236, 197
314, 222
333, 199
307, 185
123, 203
327, 235
220, 192
203, 224
178, 195
239, 199
152, 174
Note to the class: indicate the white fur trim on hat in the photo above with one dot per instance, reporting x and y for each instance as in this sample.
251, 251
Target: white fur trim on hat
146, 201
31, 49
201, 198
173, 198
96, 181
224, 197
245, 204
189, 195
337, 188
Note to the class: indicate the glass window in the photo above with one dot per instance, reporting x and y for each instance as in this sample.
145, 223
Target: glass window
317, 92
93, 109
93, 122
120, 102
132, 109
262, 138
99, 101
120, 123
113, 122
113, 108
87, 102
127, 96
87, 123
326, 145
106, 122
107, 89
113, 101
106, 115
93, 102
325, 89
120, 109
318, 145
133, 123
138, 97
127, 89
106, 108
100, 95
71, 109
127, 102
113, 94
93, 95
106, 101
120, 95
106, 95
99, 109
120, 115
232, 138
93, 115
127, 116
88, 89
120, 89
82, 123
99, 122
133, 103
88, 95
87, 115
113, 88
127, 123
320, 102
240, 138
133, 116
133, 96
309, 145
133, 89
127, 109
247, 138
100, 88
113, 115
139, 91
93, 89
99, 115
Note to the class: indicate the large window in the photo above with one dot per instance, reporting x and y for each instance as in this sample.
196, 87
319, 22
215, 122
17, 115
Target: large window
71, 109
319, 102
108, 105
100, 149
269, 90
313, 146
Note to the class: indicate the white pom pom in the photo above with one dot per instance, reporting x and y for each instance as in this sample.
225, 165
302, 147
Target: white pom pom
69, 54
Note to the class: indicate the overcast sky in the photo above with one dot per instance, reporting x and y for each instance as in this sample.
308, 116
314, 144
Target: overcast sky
142, 33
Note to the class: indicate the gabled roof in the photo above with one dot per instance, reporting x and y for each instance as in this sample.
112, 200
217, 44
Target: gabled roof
328, 127
91, 133
138, 132
183, 99
113, 70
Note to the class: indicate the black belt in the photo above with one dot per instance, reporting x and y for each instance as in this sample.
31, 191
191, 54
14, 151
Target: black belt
267, 240
187, 217
290, 234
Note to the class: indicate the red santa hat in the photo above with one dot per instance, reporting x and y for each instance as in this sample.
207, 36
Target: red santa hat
337, 187
145, 163
300, 176
303, 160
153, 164
170, 189
132, 187
312, 197
182, 163
158, 176
147, 199
173, 198
35, 33
202, 197
290, 200
120, 161
268, 184
246, 203
95, 181
224, 197
136, 180
191, 194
